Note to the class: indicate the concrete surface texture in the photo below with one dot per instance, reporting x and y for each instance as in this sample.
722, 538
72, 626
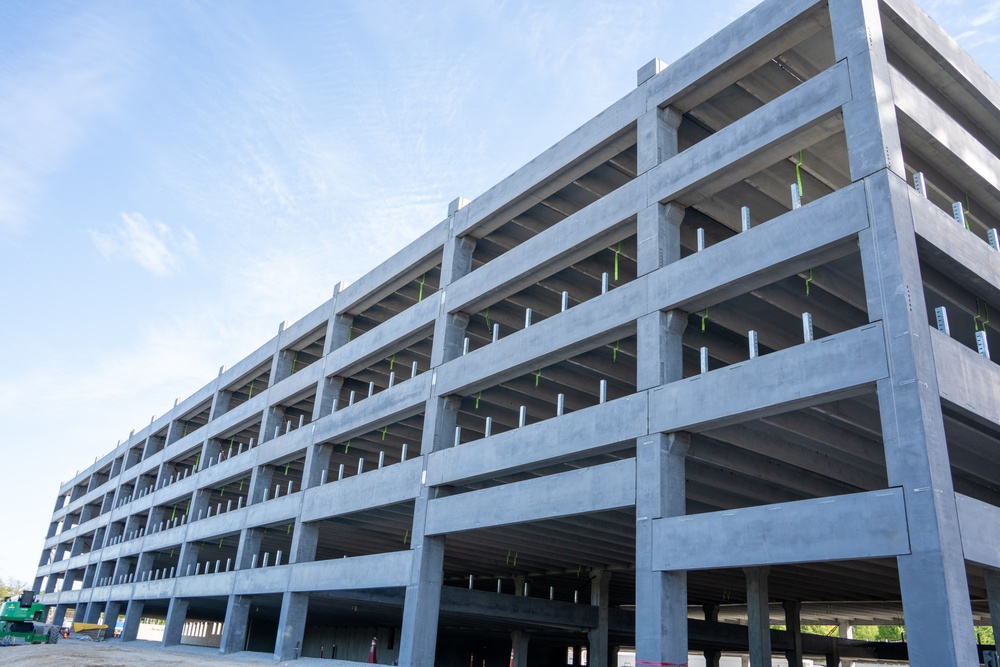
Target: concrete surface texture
717, 360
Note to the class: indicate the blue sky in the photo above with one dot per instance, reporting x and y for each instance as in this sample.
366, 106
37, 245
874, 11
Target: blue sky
177, 178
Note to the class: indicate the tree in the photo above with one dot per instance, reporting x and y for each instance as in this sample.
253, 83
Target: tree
11, 586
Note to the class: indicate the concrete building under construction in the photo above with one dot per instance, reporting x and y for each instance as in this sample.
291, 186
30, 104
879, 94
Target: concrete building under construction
717, 360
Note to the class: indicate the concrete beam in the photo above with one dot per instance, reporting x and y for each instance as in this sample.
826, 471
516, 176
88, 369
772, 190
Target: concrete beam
378, 488
741, 47
801, 376
850, 527
972, 162
384, 570
756, 141
593, 227
602, 487
398, 332
390, 405
979, 524
966, 380
517, 609
965, 77
581, 433
420, 255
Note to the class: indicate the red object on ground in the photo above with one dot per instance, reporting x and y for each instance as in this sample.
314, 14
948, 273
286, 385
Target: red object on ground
372, 659
512, 658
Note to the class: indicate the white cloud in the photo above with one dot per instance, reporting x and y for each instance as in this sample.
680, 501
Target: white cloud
149, 243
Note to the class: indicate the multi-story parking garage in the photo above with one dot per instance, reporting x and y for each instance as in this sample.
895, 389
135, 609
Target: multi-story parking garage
717, 360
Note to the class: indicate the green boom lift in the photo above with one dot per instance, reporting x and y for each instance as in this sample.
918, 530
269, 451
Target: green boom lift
21, 619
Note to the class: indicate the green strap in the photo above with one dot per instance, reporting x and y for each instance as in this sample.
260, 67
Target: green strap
384, 429
487, 314
423, 279
478, 396
538, 376
703, 318
392, 361
798, 175
614, 350
617, 252
250, 395
808, 281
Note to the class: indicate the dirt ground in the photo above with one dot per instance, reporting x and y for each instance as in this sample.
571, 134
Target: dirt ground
77, 653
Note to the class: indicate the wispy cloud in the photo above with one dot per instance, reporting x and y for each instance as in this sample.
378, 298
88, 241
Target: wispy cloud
149, 243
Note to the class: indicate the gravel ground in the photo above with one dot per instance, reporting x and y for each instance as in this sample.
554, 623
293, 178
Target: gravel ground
113, 653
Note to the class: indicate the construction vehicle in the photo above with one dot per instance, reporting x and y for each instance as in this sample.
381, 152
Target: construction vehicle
21, 622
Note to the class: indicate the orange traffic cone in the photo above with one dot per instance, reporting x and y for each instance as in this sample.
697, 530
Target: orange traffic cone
372, 658
512, 658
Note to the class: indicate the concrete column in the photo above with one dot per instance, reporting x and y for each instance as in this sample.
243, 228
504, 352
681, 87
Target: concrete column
260, 480
248, 547
793, 621
220, 404
659, 340
932, 577
93, 614
519, 646
846, 631
317, 460
993, 598
597, 652
281, 365
69, 578
661, 597
758, 617
110, 616
60, 614
273, 416
132, 615
338, 330
422, 604
326, 396
234, 628
176, 615
304, 541
291, 625
187, 557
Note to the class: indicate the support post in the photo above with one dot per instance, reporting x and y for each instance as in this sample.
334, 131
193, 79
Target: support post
597, 652
133, 613
758, 617
234, 628
519, 646
793, 623
176, 615
291, 625
932, 577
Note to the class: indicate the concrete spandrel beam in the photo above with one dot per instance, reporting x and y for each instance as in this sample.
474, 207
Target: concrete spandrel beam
595, 489
955, 251
755, 141
397, 332
850, 527
389, 405
942, 134
150, 590
596, 141
813, 234
572, 239
962, 71
384, 570
422, 254
585, 326
377, 488
578, 434
741, 47
524, 611
841, 365
966, 380
979, 523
